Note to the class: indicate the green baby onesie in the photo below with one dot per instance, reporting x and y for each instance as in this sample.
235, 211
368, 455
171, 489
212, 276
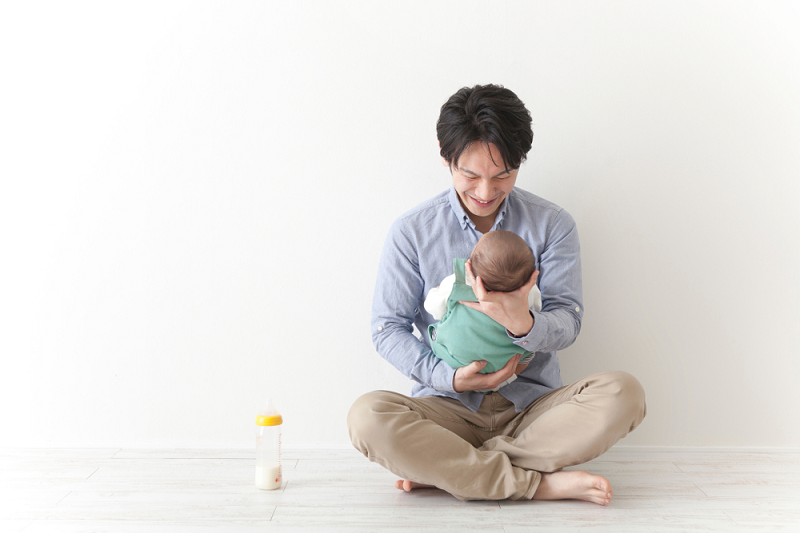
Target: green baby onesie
464, 335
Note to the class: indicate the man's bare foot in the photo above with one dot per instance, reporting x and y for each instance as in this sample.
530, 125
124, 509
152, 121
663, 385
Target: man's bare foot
408, 486
574, 485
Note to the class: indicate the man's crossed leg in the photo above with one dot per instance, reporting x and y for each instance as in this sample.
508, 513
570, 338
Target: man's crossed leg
498, 453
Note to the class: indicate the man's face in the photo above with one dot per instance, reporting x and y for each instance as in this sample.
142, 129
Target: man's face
480, 183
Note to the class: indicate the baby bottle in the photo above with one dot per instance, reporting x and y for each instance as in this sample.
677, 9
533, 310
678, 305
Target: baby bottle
268, 448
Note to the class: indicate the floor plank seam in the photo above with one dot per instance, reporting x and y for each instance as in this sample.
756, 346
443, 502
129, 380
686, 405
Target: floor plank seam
676, 465
62, 499
90, 475
700, 489
732, 518
273, 513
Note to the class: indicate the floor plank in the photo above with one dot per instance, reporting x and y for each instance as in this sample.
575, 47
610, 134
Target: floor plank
14, 526
552, 517
135, 526
390, 518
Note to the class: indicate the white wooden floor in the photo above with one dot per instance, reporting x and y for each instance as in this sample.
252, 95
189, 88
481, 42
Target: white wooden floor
181, 491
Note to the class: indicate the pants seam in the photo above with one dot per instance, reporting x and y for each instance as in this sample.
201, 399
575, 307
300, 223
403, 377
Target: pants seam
431, 415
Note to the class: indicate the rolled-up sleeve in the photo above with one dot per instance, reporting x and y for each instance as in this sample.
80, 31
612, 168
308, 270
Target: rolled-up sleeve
557, 325
398, 295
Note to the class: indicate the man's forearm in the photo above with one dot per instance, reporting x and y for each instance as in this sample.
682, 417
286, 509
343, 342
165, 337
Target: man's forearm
552, 330
412, 357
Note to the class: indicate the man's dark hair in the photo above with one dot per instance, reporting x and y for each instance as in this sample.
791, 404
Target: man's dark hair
485, 114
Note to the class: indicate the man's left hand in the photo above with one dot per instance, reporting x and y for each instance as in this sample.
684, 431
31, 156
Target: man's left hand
509, 309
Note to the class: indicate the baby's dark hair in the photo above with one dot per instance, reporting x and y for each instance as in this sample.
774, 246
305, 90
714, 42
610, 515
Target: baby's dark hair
503, 261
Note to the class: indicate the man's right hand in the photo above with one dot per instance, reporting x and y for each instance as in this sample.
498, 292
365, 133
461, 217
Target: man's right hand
468, 378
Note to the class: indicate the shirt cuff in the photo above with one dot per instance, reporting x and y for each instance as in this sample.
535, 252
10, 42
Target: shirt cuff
535, 336
442, 377
522, 336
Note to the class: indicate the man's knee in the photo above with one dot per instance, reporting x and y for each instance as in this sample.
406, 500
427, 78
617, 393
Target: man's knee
364, 418
630, 395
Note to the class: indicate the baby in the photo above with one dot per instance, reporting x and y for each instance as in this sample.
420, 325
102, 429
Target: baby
504, 262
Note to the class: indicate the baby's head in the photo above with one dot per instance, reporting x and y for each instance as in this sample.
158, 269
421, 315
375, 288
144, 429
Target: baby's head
502, 260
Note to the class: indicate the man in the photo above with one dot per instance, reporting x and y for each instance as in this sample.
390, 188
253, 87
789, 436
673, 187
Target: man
511, 443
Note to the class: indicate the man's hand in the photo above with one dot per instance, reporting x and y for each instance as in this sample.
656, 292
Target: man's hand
510, 309
468, 378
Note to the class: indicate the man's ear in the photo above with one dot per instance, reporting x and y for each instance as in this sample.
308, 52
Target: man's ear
444, 161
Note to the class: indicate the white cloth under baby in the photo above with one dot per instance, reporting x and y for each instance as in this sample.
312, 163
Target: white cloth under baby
436, 301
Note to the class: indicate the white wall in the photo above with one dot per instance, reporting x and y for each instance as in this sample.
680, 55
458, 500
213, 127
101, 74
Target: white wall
194, 196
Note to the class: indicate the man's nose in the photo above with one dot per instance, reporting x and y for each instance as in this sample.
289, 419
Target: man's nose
485, 190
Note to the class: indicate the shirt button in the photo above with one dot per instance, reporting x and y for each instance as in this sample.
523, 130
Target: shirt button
577, 309
380, 328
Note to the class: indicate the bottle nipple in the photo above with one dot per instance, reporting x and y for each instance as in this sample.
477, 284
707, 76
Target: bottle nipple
269, 415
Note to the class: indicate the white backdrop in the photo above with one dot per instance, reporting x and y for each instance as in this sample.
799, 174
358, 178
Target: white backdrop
195, 194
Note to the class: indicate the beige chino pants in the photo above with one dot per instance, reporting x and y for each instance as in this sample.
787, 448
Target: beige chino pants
495, 453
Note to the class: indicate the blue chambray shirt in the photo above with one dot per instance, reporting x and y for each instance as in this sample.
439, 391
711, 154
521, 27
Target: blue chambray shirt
418, 254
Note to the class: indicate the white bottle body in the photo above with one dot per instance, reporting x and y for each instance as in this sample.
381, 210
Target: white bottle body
268, 457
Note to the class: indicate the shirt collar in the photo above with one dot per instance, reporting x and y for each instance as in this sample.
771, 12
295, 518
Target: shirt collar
464, 219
